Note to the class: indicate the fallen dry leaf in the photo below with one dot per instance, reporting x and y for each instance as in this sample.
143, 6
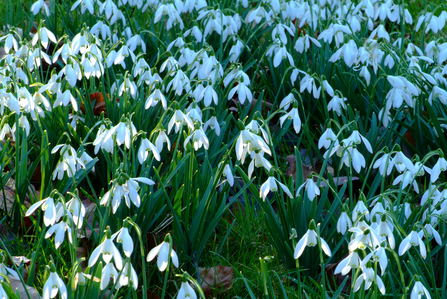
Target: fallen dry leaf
218, 277
17, 284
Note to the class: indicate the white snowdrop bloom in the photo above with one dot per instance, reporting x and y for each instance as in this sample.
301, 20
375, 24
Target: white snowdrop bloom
48, 207
336, 104
85, 5
10, 42
368, 277
363, 238
163, 253
343, 223
419, 290
236, 51
294, 116
348, 52
258, 160
196, 32
64, 99
312, 189
108, 251
59, 230
199, 139
431, 232
43, 35
310, 239
378, 255
161, 139
128, 276
384, 163
186, 292
213, 124
145, 147
352, 261
122, 236
413, 239
271, 185
303, 43
54, 285
327, 138
127, 189
108, 272
178, 119
381, 32
36, 7
243, 92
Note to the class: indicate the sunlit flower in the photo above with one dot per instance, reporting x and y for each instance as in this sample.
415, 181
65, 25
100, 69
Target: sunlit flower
413, 239
53, 285
310, 239
162, 251
368, 277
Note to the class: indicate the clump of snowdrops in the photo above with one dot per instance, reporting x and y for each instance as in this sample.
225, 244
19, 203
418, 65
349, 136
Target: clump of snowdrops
201, 102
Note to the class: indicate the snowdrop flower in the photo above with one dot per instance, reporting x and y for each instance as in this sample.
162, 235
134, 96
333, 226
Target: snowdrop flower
35, 8
213, 124
357, 138
161, 139
236, 50
431, 232
43, 34
406, 178
64, 99
401, 162
270, 185
312, 189
48, 207
352, 261
208, 95
186, 292
127, 188
336, 104
60, 230
108, 272
128, 275
258, 161
10, 42
303, 43
327, 138
198, 137
108, 251
76, 209
228, 174
310, 239
441, 165
360, 209
369, 276
294, 116
243, 92
285, 103
145, 147
178, 119
413, 239
378, 255
385, 230
53, 285
344, 223
363, 238
85, 4
385, 162
123, 237
419, 290
163, 253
